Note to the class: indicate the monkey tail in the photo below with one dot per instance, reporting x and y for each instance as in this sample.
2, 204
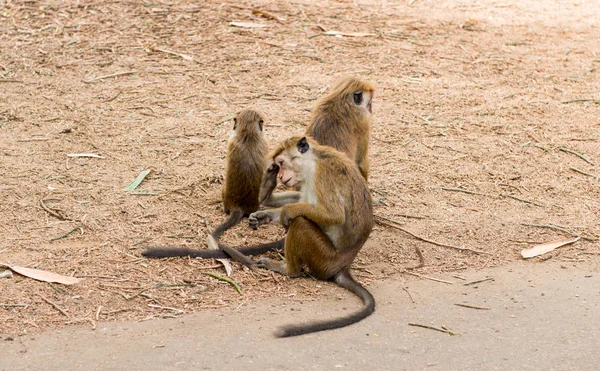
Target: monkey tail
170, 252
235, 217
343, 279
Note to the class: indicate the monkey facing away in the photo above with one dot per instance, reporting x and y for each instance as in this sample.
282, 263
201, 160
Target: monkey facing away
328, 223
246, 160
342, 119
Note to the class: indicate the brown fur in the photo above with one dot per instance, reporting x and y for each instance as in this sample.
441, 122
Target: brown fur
339, 123
327, 227
246, 161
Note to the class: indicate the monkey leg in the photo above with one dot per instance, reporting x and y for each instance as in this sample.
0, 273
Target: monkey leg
363, 167
306, 245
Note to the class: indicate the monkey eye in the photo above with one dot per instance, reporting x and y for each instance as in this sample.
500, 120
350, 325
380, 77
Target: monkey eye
358, 97
234, 123
260, 124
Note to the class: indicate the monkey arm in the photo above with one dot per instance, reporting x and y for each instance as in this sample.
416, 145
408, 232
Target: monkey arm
281, 198
325, 215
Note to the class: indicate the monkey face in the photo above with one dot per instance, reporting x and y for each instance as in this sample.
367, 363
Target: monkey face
294, 164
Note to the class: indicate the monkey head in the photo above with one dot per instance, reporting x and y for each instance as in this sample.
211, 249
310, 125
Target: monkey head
356, 93
294, 161
247, 123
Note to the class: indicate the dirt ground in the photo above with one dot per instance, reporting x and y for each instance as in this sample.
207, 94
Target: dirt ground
486, 136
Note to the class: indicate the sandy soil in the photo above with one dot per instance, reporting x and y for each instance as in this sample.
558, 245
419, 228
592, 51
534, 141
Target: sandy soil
486, 136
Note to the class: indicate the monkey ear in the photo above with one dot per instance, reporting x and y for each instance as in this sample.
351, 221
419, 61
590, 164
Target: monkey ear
302, 145
234, 123
260, 125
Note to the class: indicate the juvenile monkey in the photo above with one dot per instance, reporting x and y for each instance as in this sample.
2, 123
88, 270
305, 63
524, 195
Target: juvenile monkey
246, 160
341, 119
327, 225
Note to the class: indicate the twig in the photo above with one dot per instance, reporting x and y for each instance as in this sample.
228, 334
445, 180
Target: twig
13, 305
50, 211
576, 154
184, 56
108, 76
54, 305
584, 173
428, 278
421, 259
580, 101
11, 80
449, 332
473, 306
66, 234
463, 191
169, 308
267, 15
226, 279
33, 140
113, 97
393, 224
479, 281
409, 295
556, 228
523, 200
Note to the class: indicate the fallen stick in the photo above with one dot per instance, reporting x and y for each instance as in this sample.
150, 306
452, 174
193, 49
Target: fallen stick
449, 332
54, 305
393, 224
565, 150
479, 281
473, 306
108, 76
5, 305
556, 228
50, 211
523, 200
428, 278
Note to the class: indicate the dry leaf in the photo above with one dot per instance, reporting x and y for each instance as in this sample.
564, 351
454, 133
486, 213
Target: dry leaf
41, 275
247, 25
6, 274
546, 247
348, 34
214, 245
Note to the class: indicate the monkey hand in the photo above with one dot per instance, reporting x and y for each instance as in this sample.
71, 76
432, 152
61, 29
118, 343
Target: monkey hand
259, 218
269, 182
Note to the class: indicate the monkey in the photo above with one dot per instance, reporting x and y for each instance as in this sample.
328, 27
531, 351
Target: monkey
247, 152
327, 225
341, 119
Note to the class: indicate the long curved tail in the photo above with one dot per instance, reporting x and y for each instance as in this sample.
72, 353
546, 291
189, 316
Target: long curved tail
235, 217
343, 279
169, 252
